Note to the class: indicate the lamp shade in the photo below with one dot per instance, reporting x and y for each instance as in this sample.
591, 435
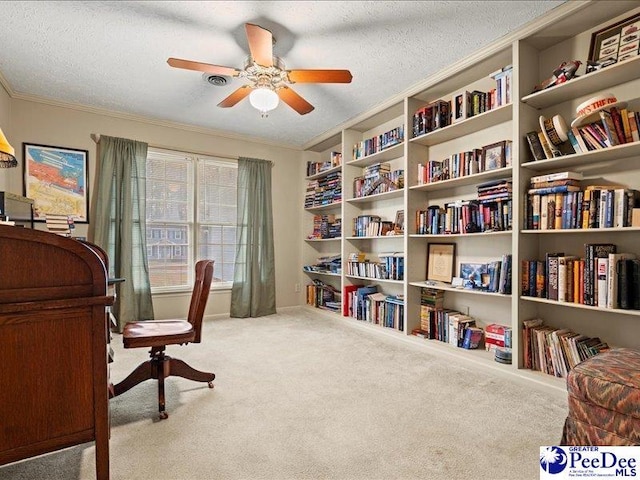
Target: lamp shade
7, 153
264, 100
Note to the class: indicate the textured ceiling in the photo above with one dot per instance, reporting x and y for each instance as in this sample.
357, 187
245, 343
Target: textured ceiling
112, 55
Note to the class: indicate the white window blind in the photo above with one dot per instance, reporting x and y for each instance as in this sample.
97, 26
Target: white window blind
191, 215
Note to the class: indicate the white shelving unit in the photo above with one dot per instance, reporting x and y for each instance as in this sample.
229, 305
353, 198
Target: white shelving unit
534, 51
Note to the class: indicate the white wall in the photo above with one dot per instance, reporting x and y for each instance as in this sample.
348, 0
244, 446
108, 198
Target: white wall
5, 124
41, 123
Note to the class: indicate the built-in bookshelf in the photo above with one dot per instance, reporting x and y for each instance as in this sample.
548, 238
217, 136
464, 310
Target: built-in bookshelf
440, 135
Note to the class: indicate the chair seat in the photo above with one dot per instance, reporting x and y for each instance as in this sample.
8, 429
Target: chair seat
156, 333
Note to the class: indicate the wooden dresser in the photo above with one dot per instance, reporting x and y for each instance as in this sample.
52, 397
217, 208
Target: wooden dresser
53, 346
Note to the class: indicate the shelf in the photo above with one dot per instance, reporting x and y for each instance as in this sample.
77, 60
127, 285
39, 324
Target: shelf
579, 159
582, 230
382, 156
461, 235
326, 274
588, 84
399, 282
449, 288
474, 124
377, 197
474, 179
321, 208
324, 173
620, 311
323, 239
376, 237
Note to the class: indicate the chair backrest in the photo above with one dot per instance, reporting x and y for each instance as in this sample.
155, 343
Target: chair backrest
200, 295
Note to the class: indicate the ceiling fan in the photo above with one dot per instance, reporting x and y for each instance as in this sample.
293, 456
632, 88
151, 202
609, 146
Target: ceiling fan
269, 80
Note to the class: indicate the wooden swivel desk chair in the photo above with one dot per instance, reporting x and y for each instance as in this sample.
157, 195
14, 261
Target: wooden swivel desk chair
157, 334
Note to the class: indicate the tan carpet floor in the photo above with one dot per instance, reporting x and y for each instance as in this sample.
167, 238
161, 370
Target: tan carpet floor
302, 396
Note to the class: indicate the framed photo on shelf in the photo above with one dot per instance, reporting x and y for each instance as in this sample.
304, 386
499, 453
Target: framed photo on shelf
399, 222
460, 106
440, 261
493, 156
57, 180
614, 43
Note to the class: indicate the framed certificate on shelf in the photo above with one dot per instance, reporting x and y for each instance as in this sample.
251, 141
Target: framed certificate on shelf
440, 261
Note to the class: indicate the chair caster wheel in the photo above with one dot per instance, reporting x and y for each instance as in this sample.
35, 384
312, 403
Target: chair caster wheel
210, 384
163, 415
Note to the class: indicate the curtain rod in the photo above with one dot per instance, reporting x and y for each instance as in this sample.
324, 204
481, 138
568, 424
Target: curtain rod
96, 138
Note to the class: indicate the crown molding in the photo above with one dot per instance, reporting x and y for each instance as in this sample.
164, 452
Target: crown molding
142, 119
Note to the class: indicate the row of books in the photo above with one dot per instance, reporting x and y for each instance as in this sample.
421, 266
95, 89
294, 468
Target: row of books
326, 264
390, 266
465, 216
321, 295
603, 278
371, 226
594, 206
449, 326
324, 191
326, 226
556, 351
314, 168
378, 143
368, 304
466, 163
615, 127
373, 185
465, 104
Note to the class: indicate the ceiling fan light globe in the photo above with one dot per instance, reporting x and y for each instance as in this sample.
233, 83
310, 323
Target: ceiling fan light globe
264, 100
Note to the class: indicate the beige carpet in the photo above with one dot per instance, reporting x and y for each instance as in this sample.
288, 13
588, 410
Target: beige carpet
302, 396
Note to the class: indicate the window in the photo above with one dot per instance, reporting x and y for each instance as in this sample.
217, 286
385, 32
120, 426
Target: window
191, 215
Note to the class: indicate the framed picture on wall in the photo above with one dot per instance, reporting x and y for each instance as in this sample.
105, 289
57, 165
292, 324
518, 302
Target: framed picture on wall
57, 180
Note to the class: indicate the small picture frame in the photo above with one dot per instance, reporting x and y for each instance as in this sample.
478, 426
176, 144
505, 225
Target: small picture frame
399, 222
460, 106
493, 156
616, 42
440, 261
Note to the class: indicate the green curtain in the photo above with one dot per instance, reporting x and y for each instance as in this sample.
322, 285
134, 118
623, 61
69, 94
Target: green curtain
119, 224
254, 291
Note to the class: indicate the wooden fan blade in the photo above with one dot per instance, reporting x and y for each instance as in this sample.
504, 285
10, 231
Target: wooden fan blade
260, 44
203, 67
320, 76
235, 97
294, 100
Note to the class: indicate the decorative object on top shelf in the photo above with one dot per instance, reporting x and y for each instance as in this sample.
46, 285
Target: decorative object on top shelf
588, 111
614, 43
57, 179
7, 153
378, 143
565, 72
440, 261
